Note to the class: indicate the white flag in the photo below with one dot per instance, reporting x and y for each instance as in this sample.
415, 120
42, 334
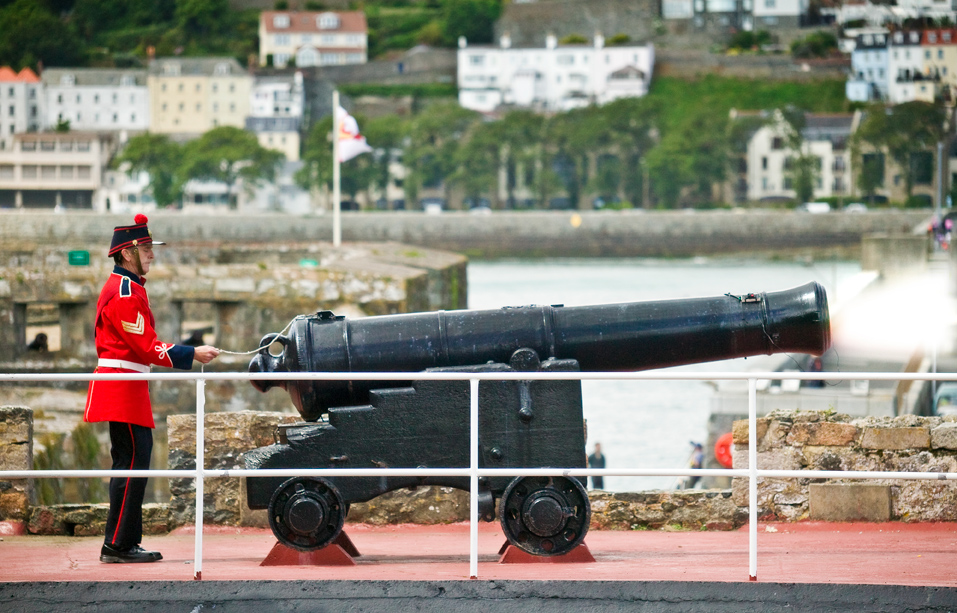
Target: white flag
351, 143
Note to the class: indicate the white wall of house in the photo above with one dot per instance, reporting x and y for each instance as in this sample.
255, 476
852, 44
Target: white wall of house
904, 60
21, 105
553, 78
97, 99
780, 8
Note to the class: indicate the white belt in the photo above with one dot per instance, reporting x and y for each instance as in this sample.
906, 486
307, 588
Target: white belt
123, 364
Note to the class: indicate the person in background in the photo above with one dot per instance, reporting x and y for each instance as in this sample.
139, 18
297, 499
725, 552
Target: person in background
126, 342
696, 461
597, 460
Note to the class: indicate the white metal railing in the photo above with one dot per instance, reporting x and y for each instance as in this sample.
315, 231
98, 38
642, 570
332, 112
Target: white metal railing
473, 471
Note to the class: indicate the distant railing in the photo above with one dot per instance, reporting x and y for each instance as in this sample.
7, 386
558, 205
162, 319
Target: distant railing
200, 473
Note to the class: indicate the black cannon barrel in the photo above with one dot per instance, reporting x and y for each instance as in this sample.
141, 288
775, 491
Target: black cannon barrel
610, 337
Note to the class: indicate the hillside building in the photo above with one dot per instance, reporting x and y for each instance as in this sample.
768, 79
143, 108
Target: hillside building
868, 81
276, 113
189, 96
553, 78
96, 99
20, 103
55, 170
767, 172
310, 38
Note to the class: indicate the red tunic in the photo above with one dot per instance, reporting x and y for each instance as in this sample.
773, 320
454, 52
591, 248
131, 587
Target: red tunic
125, 332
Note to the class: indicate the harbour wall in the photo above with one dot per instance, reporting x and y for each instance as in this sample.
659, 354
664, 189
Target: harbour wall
634, 233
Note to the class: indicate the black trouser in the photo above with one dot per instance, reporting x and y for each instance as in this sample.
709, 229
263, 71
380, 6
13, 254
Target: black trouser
132, 447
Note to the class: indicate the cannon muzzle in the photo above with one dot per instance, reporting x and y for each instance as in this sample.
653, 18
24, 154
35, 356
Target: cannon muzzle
610, 337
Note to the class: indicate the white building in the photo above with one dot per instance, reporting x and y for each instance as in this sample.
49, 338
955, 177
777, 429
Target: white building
97, 99
556, 78
53, 169
276, 109
20, 104
770, 160
905, 68
779, 13
313, 38
869, 79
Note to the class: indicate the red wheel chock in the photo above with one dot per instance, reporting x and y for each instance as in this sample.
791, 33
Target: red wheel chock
338, 553
513, 555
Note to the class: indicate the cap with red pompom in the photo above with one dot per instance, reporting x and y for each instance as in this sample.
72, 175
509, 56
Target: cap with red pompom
131, 236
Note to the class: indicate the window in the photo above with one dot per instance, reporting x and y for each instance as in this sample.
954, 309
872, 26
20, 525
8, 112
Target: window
199, 87
940, 54
328, 39
199, 107
82, 172
328, 21
66, 172
164, 106
96, 98
777, 143
48, 172
280, 21
132, 117
232, 107
182, 106
927, 54
59, 99
116, 117
163, 87
67, 80
12, 110
115, 98
232, 87
306, 39
83, 145
66, 145
221, 70
127, 81
565, 60
180, 88
215, 87
29, 171
47, 145
477, 60
764, 162
769, 4
281, 39
78, 99
932, 37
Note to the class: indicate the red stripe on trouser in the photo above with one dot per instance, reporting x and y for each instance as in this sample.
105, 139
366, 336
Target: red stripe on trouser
126, 489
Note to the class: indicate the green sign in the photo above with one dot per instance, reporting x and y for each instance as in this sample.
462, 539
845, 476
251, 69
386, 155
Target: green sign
79, 258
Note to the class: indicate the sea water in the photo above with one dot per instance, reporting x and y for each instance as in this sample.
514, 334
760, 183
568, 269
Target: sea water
646, 424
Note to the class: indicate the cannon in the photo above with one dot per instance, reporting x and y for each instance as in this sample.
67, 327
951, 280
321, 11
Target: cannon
358, 423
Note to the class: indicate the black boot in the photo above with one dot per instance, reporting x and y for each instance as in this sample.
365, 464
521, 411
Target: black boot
135, 554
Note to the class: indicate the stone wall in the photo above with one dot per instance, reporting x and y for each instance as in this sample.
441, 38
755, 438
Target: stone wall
827, 441
16, 453
635, 233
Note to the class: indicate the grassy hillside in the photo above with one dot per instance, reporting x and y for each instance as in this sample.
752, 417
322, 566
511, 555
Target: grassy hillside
681, 98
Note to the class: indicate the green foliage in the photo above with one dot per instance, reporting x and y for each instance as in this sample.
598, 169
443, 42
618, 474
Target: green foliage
227, 154
573, 39
617, 39
29, 33
473, 19
816, 44
157, 155
62, 125
745, 40
49, 457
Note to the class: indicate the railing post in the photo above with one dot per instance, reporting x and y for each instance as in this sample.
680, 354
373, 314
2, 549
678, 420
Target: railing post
200, 466
473, 477
752, 480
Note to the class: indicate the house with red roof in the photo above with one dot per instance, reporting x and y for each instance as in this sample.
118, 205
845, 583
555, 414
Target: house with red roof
312, 38
20, 103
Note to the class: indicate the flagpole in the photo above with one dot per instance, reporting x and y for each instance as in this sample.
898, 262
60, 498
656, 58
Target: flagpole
336, 197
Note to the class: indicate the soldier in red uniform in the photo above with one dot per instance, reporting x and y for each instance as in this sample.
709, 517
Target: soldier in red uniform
126, 343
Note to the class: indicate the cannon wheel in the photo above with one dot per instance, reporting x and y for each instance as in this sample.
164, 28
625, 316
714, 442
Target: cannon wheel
545, 516
306, 513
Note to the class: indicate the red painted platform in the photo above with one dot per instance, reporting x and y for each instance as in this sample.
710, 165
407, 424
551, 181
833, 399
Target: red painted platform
889, 554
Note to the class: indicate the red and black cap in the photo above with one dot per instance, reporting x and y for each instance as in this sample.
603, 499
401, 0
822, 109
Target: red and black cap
131, 236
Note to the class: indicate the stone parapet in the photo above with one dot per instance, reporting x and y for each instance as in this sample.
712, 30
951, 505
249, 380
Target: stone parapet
827, 441
228, 436
16, 453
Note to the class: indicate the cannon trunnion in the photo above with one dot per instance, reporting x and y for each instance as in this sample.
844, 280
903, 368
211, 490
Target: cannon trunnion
522, 424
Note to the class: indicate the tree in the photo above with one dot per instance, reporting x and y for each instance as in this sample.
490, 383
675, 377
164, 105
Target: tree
434, 136
199, 18
227, 154
158, 156
803, 167
903, 131
358, 174
473, 19
31, 34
